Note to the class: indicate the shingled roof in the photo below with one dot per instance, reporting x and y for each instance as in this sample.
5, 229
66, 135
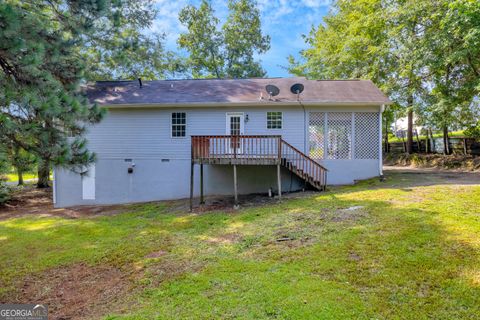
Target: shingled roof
232, 92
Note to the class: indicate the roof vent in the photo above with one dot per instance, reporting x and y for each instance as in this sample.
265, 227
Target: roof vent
140, 82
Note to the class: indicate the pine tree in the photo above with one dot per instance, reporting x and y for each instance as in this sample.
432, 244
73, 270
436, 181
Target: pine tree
48, 49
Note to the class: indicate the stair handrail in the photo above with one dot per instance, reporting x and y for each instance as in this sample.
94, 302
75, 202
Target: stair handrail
303, 154
304, 164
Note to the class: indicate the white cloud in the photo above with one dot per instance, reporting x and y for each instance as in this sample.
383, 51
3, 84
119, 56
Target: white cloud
167, 20
316, 3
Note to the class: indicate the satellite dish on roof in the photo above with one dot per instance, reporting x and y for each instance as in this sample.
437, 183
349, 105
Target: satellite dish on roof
297, 88
272, 90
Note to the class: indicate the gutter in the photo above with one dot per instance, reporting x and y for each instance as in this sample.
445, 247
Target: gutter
241, 104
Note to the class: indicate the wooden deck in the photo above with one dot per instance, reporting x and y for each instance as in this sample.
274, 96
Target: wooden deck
240, 150
254, 150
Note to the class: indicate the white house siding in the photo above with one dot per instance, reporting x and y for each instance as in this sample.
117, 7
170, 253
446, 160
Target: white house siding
162, 163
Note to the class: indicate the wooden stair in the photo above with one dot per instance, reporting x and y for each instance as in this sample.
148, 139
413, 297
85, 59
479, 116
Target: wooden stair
258, 150
303, 166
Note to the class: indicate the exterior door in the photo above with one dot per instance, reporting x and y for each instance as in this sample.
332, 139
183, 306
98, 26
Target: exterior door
88, 183
235, 128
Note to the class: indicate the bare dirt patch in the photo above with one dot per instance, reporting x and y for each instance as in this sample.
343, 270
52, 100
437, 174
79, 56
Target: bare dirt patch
77, 292
227, 238
166, 269
226, 203
81, 291
32, 201
156, 254
348, 214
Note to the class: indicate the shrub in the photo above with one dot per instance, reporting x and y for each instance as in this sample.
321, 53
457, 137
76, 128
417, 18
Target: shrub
473, 131
4, 192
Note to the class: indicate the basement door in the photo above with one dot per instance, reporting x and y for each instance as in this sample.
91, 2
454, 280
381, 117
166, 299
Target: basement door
235, 127
88, 183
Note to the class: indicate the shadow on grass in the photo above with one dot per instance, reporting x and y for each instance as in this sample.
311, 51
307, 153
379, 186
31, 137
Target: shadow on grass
376, 261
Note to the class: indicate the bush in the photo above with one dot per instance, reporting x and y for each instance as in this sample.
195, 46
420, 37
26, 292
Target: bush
4, 193
473, 131
4, 166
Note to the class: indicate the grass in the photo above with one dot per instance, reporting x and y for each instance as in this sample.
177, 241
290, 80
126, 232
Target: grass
453, 134
408, 252
13, 177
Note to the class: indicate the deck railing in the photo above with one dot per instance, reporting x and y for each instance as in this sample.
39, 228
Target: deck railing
258, 149
244, 147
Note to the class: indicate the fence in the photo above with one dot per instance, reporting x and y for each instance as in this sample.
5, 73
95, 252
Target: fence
457, 145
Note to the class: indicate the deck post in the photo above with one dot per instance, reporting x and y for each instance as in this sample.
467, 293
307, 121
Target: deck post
279, 181
235, 186
191, 186
202, 201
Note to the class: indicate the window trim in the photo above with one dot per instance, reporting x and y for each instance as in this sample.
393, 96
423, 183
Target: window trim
171, 125
281, 120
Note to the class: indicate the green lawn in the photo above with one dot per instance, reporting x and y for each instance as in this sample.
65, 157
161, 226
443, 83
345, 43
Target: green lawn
453, 134
405, 252
13, 177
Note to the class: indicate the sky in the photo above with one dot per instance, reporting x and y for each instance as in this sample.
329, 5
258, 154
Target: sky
284, 20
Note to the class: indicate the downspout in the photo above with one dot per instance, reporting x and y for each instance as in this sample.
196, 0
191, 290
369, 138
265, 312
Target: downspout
304, 124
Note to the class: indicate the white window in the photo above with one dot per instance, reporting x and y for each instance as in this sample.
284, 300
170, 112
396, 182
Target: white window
179, 124
274, 120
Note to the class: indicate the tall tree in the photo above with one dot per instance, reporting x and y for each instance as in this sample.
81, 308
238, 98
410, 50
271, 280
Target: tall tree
371, 39
227, 51
452, 36
21, 160
118, 48
40, 103
48, 48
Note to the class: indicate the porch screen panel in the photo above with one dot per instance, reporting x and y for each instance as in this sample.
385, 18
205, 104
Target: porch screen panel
316, 133
339, 135
366, 135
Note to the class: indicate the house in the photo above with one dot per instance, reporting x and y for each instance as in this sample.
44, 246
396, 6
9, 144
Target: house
171, 139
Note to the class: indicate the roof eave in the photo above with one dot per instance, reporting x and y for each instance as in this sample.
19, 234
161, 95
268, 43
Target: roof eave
244, 104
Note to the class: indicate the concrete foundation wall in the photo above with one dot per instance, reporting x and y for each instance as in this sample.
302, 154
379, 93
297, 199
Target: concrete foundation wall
151, 180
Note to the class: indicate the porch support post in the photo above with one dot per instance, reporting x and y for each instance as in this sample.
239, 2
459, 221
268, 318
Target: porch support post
279, 182
191, 186
380, 136
202, 201
235, 186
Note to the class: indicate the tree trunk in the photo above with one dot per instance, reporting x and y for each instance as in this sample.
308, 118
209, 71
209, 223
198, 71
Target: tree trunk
446, 148
410, 127
418, 142
17, 164
20, 177
43, 174
432, 141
